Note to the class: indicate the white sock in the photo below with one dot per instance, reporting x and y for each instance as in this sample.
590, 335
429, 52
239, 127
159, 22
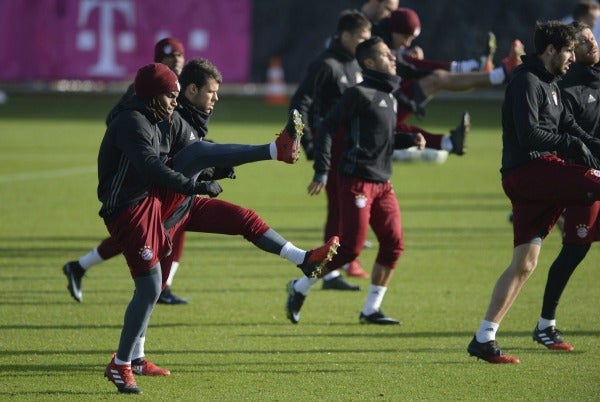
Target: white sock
273, 150
374, 299
120, 362
174, 267
497, 76
292, 253
487, 331
138, 349
464, 66
332, 275
447, 143
90, 259
544, 323
304, 284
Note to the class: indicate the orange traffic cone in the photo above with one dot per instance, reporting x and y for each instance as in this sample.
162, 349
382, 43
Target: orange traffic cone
276, 91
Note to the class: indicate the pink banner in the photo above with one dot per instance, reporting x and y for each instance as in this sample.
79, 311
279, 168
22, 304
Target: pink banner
111, 39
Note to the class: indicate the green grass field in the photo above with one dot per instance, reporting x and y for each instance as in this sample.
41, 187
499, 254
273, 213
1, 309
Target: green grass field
233, 341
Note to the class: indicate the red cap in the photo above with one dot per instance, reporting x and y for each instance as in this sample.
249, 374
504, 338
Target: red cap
166, 47
155, 79
405, 21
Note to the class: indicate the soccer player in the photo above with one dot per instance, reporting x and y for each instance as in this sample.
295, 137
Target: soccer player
366, 198
170, 52
580, 92
539, 183
139, 191
328, 76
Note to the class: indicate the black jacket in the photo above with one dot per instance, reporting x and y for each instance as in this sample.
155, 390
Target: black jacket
534, 120
580, 92
328, 76
132, 158
367, 112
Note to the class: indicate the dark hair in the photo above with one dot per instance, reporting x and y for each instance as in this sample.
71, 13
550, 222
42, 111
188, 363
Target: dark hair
352, 21
364, 50
198, 71
579, 26
555, 33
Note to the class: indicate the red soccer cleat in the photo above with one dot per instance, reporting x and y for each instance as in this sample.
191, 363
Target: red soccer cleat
355, 269
490, 352
550, 338
122, 376
315, 260
288, 141
146, 367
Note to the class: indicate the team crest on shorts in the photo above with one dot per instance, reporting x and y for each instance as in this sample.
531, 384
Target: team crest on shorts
360, 201
146, 253
582, 231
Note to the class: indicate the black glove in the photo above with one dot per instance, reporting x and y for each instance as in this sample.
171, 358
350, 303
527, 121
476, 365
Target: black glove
579, 153
206, 174
223, 173
210, 188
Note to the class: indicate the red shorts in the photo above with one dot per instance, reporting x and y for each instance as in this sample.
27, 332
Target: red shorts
541, 189
581, 224
140, 233
363, 203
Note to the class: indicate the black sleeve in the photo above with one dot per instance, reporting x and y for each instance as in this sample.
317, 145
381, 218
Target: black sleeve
341, 113
138, 145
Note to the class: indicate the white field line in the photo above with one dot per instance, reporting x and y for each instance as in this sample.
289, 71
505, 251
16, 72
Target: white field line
47, 174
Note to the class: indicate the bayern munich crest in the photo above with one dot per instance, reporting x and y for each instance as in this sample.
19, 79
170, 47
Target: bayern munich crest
360, 201
146, 253
582, 231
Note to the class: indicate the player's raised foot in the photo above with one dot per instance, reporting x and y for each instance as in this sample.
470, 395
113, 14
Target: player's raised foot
355, 269
146, 367
168, 297
551, 338
74, 272
339, 283
487, 59
514, 57
294, 303
316, 259
458, 136
490, 352
122, 376
378, 318
288, 141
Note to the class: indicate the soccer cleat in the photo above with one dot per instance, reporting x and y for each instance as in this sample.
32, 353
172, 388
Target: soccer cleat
487, 59
355, 269
338, 283
550, 338
167, 297
288, 141
490, 352
145, 367
378, 318
122, 376
458, 136
316, 259
74, 272
514, 57
294, 303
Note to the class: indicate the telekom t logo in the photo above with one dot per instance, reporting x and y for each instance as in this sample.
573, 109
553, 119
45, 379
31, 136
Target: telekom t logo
105, 39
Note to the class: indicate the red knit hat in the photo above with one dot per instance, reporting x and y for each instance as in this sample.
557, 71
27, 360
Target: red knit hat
166, 47
405, 21
155, 79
